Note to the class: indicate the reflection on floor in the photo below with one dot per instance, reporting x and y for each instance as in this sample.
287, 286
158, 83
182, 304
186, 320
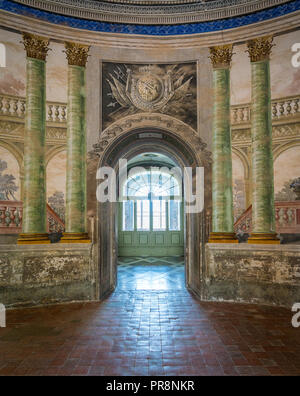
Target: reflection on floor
160, 273
153, 327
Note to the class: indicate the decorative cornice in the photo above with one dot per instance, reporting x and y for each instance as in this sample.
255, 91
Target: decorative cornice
36, 47
222, 20
77, 54
152, 12
260, 49
221, 56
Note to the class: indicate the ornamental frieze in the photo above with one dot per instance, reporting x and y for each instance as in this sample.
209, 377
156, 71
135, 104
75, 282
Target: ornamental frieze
279, 132
286, 130
11, 128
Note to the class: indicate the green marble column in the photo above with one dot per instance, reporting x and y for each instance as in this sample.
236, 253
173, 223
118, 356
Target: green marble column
34, 185
263, 210
222, 217
76, 216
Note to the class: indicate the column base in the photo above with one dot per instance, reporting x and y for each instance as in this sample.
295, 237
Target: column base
33, 239
222, 237
75, 237
264, 239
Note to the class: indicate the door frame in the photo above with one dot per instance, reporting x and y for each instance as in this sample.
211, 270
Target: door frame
122, 139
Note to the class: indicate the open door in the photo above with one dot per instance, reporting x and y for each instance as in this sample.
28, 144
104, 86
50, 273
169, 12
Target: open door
108, 254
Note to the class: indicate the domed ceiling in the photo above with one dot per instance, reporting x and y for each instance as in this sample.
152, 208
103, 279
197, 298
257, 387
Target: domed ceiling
153, 12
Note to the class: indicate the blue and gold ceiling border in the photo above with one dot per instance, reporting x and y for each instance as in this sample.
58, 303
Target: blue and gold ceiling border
152, 30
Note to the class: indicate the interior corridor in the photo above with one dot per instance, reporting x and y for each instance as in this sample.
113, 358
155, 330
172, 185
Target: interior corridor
151, 325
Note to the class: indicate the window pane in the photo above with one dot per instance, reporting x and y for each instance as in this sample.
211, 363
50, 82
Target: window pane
128, 216
159, 215
153, 182
143, 215
174, 215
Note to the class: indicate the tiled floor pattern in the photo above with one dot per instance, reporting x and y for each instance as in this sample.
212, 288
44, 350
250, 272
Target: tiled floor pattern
144, 331
160, 273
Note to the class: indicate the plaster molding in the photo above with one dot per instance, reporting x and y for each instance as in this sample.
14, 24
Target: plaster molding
276, 26
149, 12
152, 121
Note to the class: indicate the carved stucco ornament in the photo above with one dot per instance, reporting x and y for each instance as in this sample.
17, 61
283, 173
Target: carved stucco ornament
77, 54
36, 46
260, 49
163, 122
221, 56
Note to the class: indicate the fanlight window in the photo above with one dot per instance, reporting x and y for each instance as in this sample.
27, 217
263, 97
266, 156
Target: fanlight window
154, 202
152, 184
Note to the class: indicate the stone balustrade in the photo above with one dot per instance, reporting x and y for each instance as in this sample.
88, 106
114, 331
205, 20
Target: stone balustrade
14, 106
56, 112
11, 214
11, 217
281, 108
287, 216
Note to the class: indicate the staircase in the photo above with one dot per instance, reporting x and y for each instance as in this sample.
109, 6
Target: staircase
11, 213
287, 216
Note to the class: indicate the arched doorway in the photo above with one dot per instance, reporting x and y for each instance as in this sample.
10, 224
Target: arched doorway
176, 141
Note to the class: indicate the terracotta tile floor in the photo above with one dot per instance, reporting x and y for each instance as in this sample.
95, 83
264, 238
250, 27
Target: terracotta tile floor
151, 327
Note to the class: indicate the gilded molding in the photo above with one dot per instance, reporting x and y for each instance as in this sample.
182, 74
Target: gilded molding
77, 54
221, 56
260, 49
36, 46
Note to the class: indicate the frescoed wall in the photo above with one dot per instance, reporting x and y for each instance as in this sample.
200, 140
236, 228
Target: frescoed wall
238, 181
158, 88
13, 76
56, 183
286, 169
10, 187
285, 79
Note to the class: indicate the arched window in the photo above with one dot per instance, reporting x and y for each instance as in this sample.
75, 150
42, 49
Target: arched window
153, 201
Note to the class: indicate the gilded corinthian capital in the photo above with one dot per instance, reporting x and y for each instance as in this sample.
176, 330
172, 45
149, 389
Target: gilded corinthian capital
221, 56
36, 47
260, 49
77, 54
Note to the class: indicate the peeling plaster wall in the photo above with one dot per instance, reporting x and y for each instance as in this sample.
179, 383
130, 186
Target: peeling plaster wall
37, 274
253, 274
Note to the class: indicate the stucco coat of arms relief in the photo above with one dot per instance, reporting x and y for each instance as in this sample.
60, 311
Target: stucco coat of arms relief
150, 88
